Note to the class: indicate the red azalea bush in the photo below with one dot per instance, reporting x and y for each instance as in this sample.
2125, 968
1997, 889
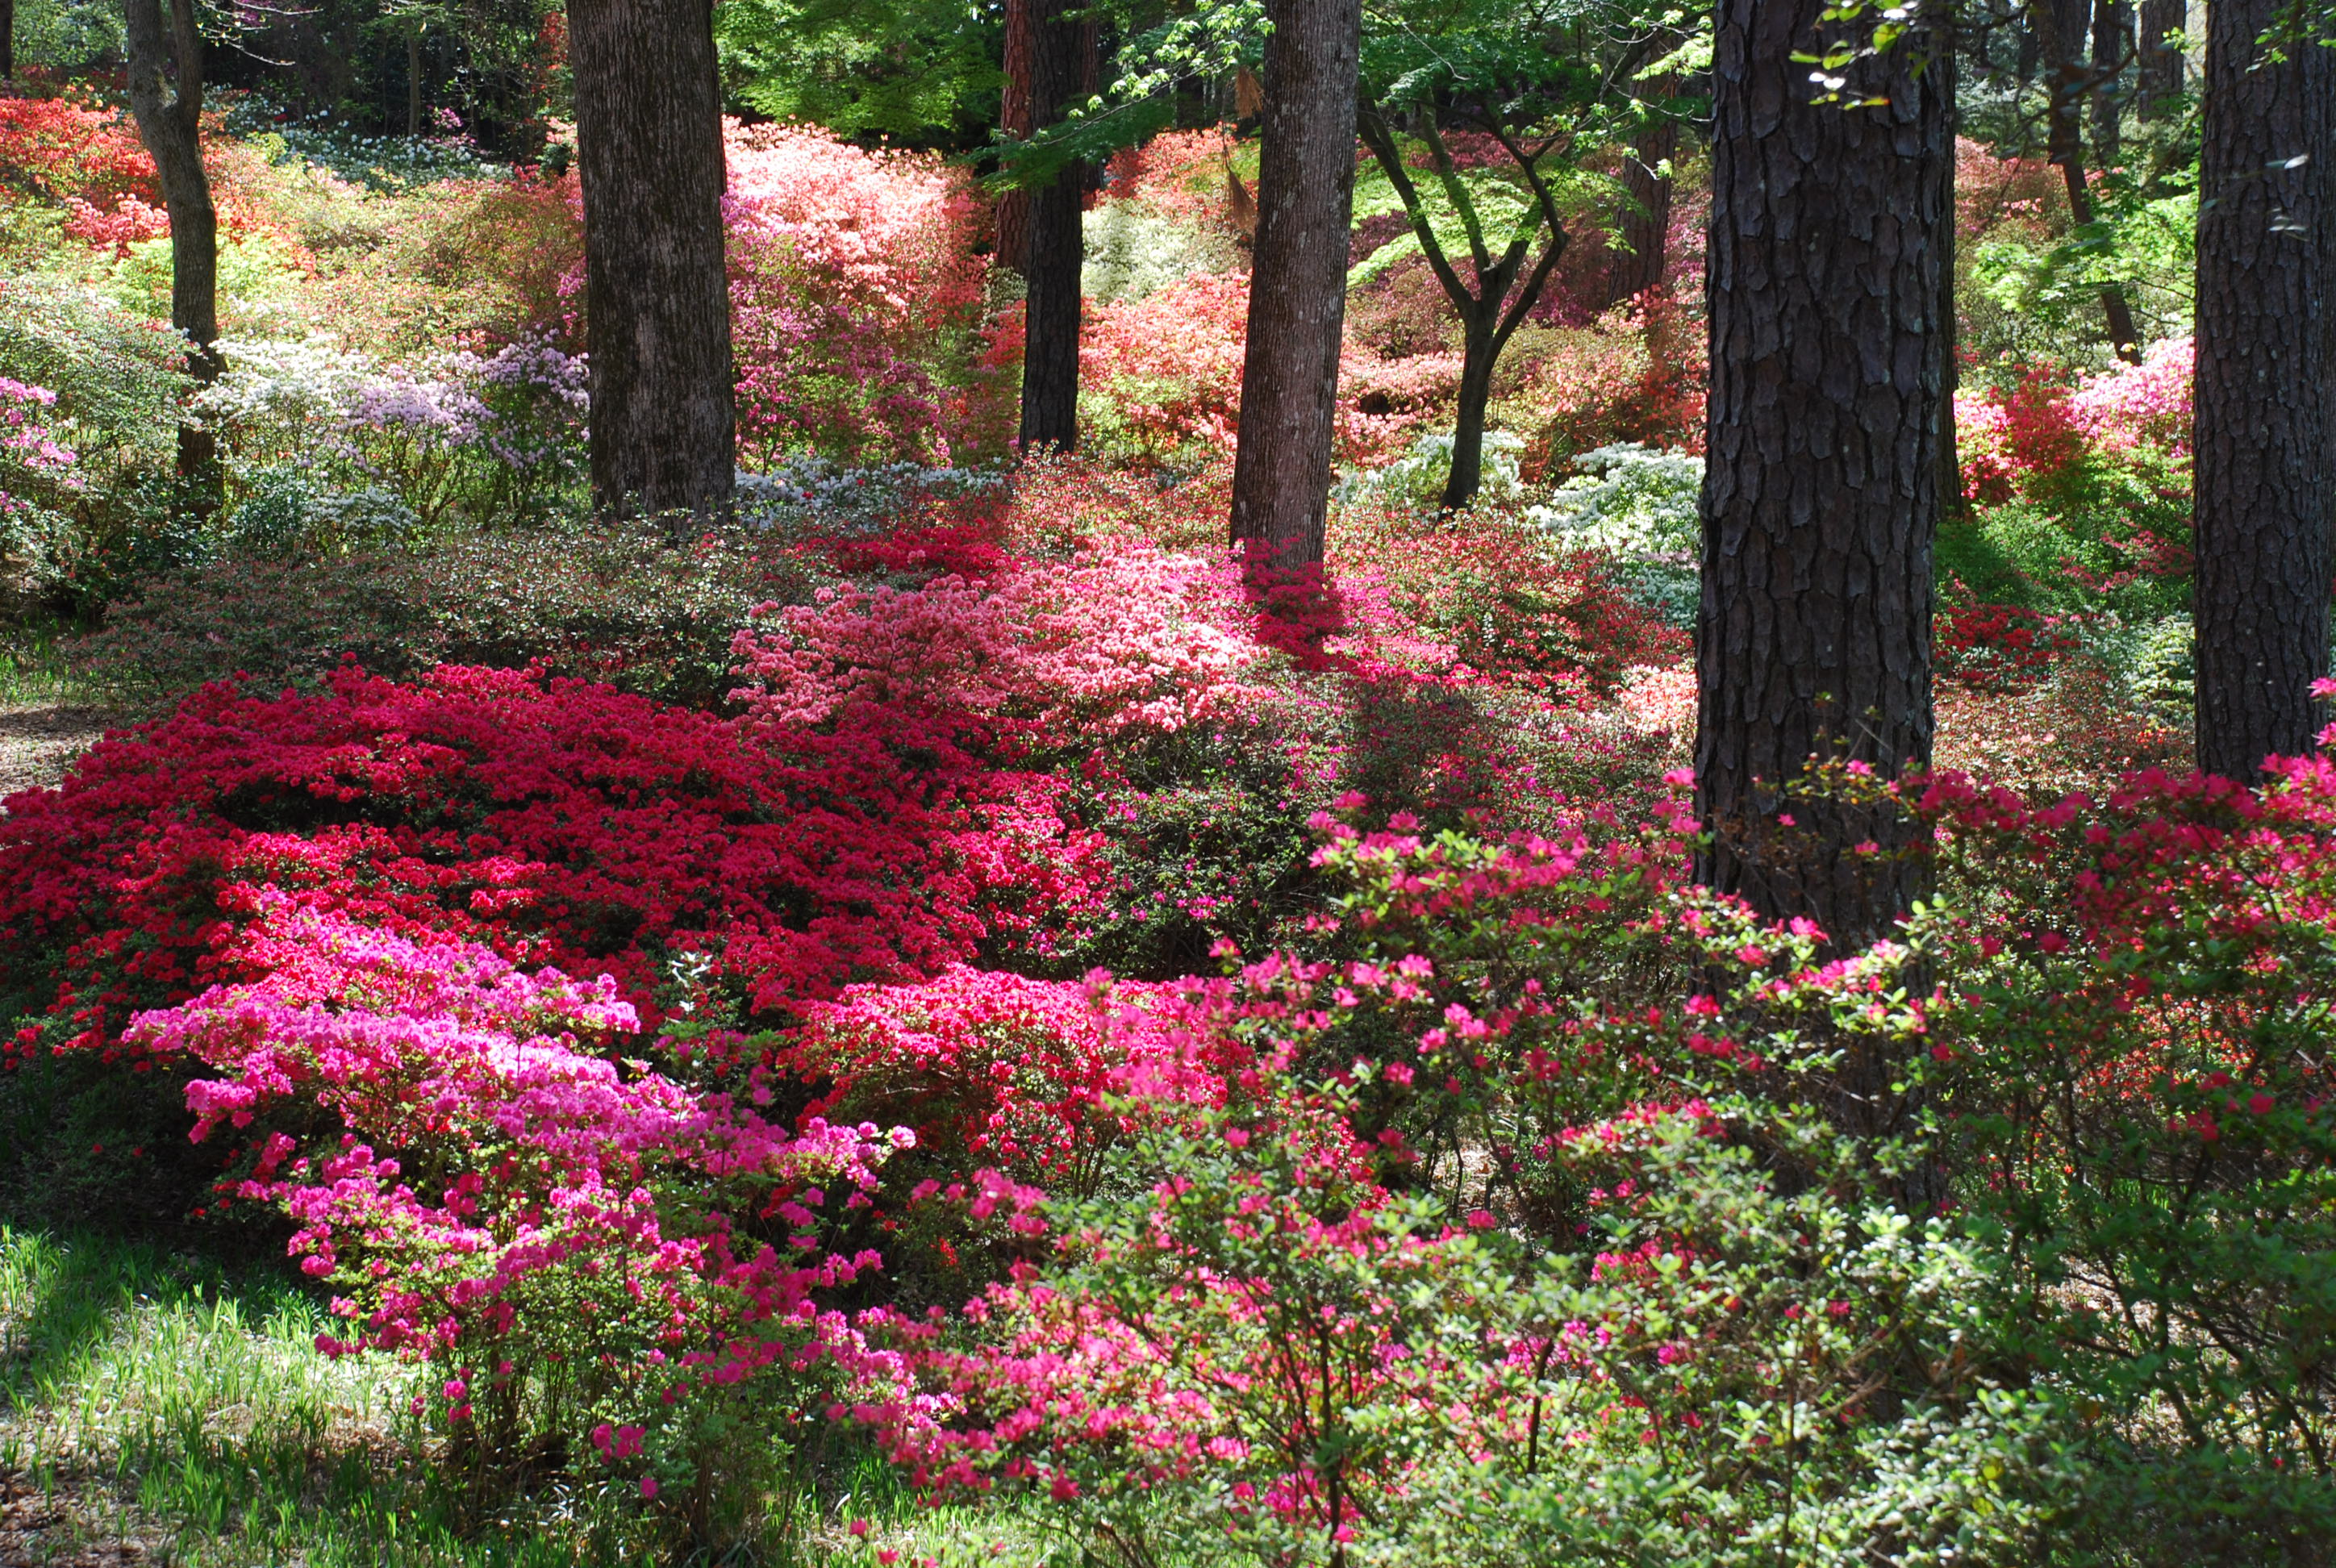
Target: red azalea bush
558, 822
61, 148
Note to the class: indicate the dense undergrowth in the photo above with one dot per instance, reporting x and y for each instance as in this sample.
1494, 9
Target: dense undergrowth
939, 1022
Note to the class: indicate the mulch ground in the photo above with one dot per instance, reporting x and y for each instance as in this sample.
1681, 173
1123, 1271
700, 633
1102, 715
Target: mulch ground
36, 744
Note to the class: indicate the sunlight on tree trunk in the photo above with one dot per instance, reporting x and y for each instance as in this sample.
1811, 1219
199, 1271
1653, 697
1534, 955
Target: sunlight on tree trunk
2265, 406
648, 130
1298, 281
166, 97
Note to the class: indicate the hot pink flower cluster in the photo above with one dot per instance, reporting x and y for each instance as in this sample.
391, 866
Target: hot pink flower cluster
498, 1196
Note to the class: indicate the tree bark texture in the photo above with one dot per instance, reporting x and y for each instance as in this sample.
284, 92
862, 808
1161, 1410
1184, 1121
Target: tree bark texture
1013, 211
7, 39
2158, 82
1298, 281
1639, 261
1056, 246
2265, 407
1830, 336
166, 98
648, 142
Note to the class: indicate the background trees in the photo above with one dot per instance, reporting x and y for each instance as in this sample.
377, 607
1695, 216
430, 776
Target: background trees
650, 144
2266, 408
1829, 345
166, 93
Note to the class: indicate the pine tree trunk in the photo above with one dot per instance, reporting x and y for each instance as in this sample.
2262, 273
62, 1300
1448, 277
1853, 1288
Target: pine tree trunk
1829, 345
7, 39
1480, 350
2112, 41
1055, 247
2159, 82
1298, 281
649, 132
2265, 390
1013, 211
413, 82
1645, 229
166, 97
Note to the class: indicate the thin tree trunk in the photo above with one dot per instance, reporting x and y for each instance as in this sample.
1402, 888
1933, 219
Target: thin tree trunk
2265, 392
1641, 261
1297, 281
648, 130
1479, 352
1829, 345
2159, 83
166, 97
2057, 25
2112, 43
413, 82
7, 39
1056, 248
1016, 121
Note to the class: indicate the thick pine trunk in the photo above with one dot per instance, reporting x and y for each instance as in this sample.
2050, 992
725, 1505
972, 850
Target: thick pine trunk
1639, 261
2159, 83
648, 132
2265, 391
1013, 211
1298, 281
166, 97
1056, 247
1829, 344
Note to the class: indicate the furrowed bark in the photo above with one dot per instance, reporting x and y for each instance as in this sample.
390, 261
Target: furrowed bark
1830, 337
2265, 407
649, 132
1297, 281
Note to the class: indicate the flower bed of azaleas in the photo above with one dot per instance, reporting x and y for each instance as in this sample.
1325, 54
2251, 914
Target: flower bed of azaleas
560, 821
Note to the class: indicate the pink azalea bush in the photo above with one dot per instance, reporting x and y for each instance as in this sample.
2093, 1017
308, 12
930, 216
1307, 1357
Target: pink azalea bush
573, 1244
856, 299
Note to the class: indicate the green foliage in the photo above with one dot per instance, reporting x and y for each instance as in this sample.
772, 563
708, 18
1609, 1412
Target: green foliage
620, 603
1416, 478
923, 72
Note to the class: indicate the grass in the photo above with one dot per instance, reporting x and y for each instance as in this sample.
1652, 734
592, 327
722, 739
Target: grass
160, 1398
32, 669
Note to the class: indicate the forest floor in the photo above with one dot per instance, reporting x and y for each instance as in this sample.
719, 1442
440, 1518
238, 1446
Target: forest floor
38, 741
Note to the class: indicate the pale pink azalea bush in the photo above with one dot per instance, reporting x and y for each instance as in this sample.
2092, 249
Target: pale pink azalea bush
1121, 636
855, 297
2144, 404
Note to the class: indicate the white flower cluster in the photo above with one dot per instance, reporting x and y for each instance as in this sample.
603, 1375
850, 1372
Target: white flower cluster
813, 495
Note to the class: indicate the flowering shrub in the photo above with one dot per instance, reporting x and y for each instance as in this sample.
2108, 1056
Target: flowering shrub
572, 1244
855, 295
1464, 1249
556, 822
1121, 636
460, 435
64, 147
